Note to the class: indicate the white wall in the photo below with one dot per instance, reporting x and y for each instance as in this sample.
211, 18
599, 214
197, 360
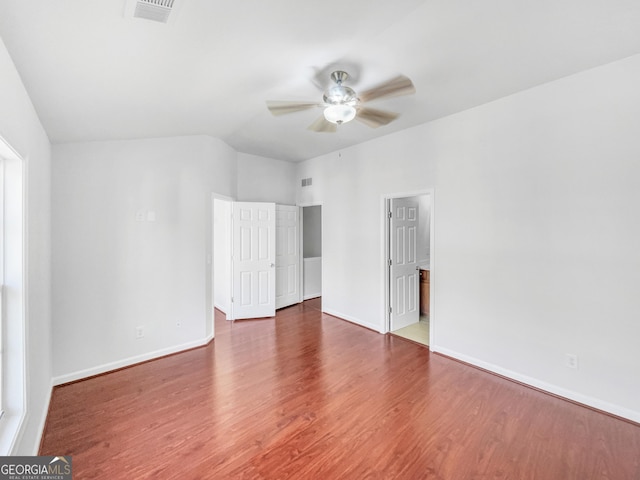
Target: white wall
21, 128
312, 231
350, 185
113, 268
312, 277
536, 227
262, 179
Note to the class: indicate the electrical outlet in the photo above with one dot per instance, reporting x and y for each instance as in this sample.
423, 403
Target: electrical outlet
570, 360
139, 332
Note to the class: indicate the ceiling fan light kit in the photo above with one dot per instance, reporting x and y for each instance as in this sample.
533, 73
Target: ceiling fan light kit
342, 104
339, 114
339, 93
340, 100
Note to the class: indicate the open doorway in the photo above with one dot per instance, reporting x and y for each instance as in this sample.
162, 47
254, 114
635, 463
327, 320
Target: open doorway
408, 260
312, 252
221, 246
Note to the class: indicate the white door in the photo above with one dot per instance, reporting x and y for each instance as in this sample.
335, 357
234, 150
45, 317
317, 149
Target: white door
253, 260
288, 278
403, 274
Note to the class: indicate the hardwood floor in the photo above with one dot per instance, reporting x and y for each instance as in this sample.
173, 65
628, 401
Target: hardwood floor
309, 396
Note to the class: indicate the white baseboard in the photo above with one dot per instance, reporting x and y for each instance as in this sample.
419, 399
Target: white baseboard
11, 433
43, 422
17, 447
127, 362
219, 307
311, 295
351, 319
547, 387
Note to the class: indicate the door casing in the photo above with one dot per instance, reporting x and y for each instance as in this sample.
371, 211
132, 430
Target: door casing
211, 260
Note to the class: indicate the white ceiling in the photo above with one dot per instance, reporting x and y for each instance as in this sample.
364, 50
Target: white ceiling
95, 75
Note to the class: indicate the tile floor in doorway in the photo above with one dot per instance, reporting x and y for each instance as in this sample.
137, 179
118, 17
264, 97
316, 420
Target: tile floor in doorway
418, 332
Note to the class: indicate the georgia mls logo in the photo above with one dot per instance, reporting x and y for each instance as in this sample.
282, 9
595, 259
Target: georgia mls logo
64, 466
35, 468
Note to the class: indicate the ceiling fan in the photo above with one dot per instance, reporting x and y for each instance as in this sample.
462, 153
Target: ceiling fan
342, 104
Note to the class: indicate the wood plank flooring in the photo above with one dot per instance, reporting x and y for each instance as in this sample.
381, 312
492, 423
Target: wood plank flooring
309, 396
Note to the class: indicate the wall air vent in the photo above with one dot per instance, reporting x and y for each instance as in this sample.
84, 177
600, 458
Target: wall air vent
306, 182
154, 10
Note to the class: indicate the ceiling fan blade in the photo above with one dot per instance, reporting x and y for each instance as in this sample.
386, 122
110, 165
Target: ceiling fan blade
375, 118
395, 87
323, 126
284, 107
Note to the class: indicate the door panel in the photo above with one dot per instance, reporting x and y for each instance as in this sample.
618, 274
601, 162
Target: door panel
288, 275
403, 228
253, 260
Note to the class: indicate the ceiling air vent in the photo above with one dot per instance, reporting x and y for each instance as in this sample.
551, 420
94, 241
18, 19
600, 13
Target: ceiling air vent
154, 10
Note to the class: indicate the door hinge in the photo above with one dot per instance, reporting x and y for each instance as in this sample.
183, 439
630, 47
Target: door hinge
390, 262
390, 214
390, 310
231, 299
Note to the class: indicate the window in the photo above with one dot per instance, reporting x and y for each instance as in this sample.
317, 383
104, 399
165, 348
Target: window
12, 297
1, 287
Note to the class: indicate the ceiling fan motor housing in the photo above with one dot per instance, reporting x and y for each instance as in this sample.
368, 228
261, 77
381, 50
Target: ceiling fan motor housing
339, 94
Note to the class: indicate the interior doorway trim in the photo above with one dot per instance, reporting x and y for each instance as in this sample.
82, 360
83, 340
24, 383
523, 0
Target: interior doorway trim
322, 259
385, 255
211, 259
